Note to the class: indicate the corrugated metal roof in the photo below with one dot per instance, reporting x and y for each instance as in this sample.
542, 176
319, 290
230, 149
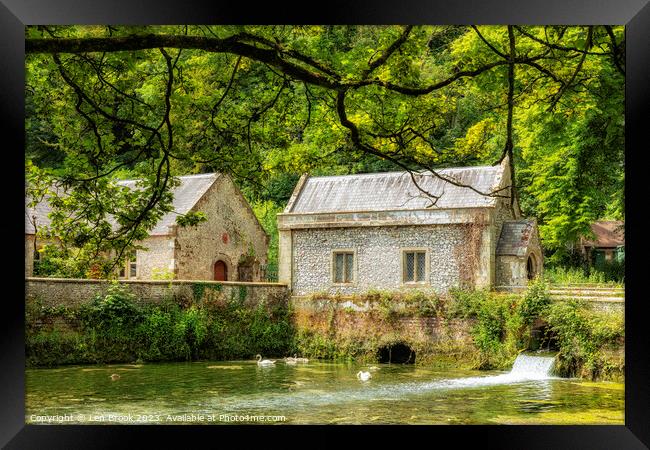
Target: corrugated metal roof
515, 237
396, 191
186, 194
609, 233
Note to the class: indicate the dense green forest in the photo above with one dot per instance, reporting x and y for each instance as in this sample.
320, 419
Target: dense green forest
268, 103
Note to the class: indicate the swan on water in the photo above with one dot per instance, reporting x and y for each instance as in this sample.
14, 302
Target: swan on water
290, 360
373, 368
301, 360
115, 377
363, 376
264, 362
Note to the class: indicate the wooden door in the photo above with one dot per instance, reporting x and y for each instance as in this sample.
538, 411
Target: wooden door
220, 271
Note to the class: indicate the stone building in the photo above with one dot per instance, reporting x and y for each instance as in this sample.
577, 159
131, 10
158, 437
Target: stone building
231, 245
607, 244
350, 234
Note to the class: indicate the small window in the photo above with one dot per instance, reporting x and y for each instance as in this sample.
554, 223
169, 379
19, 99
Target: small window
343, 267
130, 268
414, 266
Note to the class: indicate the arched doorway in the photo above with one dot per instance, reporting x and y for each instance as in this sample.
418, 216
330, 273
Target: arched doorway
220, 271
531, 267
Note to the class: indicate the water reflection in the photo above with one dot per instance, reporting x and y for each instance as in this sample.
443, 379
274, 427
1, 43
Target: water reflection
319, 392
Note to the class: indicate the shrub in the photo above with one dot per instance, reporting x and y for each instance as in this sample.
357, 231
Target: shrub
113, 328
583, 336
535, 301
114, 311
466, 303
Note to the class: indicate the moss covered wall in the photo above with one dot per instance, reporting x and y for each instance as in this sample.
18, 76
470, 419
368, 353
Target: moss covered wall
55, 292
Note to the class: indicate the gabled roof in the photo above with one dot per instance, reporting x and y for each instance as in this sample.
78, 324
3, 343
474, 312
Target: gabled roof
515, 237
609, 234
186, 195
396, 191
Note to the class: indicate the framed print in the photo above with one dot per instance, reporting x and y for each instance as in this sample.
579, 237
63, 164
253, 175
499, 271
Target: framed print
411, 214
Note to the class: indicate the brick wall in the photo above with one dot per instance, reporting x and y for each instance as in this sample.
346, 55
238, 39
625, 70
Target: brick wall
29, 254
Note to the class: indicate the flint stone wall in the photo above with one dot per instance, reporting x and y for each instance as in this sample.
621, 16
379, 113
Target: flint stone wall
378, 257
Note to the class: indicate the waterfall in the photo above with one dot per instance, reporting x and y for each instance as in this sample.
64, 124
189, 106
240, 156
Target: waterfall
532, 367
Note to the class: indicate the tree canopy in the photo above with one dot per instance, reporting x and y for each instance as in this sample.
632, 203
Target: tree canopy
266, 103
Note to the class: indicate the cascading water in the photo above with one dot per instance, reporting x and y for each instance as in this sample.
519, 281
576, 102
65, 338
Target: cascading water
532, 367
526, 368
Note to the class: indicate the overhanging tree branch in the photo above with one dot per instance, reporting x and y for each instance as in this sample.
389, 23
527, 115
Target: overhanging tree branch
389, 51
358, 142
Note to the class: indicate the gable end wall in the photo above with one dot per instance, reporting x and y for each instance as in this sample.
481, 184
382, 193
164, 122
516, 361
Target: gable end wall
228, 215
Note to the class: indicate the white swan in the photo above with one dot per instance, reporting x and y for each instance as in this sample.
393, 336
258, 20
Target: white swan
290, 360
265, 362
373, 368
301, 360
364, 376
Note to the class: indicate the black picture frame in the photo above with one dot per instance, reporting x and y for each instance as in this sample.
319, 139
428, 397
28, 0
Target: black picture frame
15, 14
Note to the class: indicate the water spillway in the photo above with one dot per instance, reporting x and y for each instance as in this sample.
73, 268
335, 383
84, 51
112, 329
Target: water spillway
533, 367
525, 368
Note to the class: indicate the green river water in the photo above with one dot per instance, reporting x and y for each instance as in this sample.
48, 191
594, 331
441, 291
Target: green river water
318, 392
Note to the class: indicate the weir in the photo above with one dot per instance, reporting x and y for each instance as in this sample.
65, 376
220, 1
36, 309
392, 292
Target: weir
531, 368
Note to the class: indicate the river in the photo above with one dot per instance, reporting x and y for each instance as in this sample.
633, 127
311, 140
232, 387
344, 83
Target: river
318, 392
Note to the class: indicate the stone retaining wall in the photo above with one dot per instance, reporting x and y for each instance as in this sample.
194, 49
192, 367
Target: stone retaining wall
68, 292
601, 305
347, 320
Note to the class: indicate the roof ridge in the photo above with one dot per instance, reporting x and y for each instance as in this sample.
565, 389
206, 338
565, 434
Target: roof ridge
426, 172
195, 175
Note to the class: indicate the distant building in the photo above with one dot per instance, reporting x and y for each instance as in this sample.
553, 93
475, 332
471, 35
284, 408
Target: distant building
350, 234
231, 245
607, 245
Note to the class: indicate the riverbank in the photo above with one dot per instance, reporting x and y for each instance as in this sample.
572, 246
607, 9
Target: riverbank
470, 330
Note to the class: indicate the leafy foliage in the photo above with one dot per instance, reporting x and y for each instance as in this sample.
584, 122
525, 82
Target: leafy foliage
115, 328
584, 338
609, 274
267, 103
